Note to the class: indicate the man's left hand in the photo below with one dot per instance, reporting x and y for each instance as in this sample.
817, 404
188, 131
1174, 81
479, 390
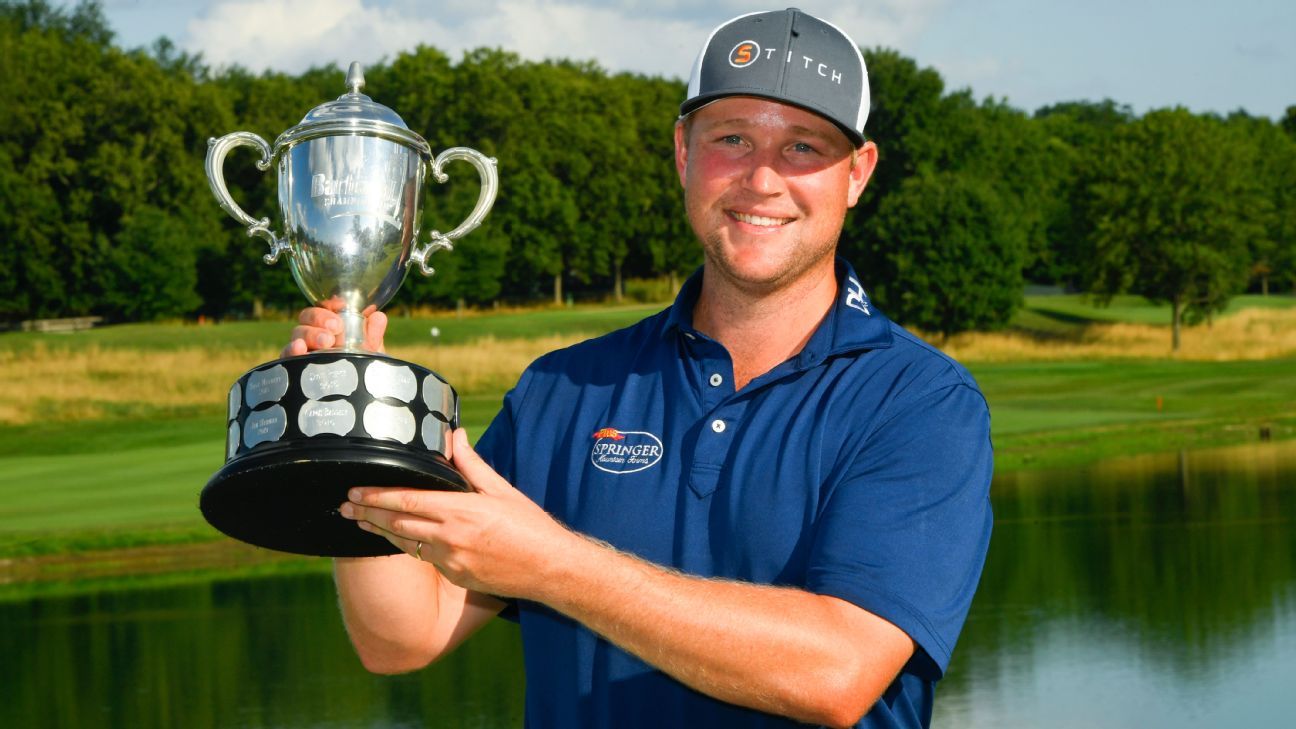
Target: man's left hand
493, 540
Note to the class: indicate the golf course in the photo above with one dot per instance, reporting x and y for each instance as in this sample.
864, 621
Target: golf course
108, 435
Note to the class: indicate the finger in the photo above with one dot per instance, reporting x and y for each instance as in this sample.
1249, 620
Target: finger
313, 337
295, 348
375, 328
410, 547
392, 507
320, 318
478, 472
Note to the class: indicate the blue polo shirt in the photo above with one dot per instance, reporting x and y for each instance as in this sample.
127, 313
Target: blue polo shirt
859, 468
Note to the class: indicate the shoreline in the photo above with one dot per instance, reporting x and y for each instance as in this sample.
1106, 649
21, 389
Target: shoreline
196, 557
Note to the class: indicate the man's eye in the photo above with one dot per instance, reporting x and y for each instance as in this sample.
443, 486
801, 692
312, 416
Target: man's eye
802, 148
732, 139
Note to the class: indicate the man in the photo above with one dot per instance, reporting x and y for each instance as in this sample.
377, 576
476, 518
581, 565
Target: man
765, 505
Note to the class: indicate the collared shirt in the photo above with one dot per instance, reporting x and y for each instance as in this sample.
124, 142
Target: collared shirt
858, 468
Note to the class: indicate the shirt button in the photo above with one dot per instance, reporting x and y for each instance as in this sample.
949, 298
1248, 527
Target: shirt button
718, 426
716, 379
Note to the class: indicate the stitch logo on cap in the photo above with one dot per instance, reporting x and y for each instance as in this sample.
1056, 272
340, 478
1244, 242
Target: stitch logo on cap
744, 54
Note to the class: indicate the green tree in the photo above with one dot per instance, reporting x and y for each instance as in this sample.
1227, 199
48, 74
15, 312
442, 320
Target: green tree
94, 137
1288, 122
1075, 133
661, 241
151, 271
948, 261
981, 167
1172, 212
904, 120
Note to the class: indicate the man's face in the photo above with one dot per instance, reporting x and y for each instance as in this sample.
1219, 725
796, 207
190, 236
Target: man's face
766, 187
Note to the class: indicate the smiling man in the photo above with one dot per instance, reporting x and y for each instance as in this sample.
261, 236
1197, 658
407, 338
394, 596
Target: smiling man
767, 504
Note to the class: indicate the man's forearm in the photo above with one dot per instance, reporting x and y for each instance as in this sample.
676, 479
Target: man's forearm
780, 650
401, 614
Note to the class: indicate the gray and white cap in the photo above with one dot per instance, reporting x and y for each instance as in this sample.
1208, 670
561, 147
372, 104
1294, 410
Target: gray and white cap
788, 56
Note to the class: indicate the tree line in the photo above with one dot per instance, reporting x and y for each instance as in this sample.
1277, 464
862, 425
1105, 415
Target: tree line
106, 210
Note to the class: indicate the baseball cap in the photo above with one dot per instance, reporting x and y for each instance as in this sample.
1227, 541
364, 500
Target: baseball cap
784, 55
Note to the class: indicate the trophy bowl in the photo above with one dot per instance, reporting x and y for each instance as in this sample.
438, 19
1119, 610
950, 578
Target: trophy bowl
303, 430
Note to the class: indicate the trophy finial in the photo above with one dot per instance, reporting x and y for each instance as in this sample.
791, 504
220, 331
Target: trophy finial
355, 77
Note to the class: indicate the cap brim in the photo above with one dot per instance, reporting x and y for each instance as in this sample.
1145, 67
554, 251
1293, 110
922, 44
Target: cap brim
701, 100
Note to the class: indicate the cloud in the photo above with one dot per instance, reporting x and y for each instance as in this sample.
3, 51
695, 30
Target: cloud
658, 37
292, 35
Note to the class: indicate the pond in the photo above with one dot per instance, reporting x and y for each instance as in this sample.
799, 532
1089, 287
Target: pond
1150, 592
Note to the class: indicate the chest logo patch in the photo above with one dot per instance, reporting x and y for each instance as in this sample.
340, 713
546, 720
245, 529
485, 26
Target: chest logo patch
625, 451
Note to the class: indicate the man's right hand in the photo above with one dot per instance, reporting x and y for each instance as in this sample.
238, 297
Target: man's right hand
321, 328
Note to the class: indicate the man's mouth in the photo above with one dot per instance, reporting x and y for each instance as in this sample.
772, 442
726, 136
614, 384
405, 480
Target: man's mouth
761, 220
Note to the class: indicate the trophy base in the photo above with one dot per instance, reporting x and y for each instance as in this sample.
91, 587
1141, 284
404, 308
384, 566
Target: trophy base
287, 498
301, 431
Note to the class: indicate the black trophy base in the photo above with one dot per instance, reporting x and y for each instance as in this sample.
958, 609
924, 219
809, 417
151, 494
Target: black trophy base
301, 431
287, 498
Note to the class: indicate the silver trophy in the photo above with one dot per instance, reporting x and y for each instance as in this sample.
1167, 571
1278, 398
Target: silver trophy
302, 430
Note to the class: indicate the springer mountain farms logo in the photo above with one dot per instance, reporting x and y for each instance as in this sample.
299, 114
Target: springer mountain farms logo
624, 451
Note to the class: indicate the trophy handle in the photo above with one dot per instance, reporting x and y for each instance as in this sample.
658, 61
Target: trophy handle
489, 186
216, 151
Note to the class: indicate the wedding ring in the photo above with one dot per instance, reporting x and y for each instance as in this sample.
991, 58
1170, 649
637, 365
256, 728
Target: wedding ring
418, 552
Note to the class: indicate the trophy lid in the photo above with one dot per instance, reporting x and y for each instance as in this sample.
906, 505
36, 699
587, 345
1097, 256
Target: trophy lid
352, 114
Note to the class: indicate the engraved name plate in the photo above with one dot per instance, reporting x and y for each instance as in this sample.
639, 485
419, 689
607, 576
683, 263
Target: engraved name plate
235, 400
436, 395
232, 442
434, 433
265, 426
266, 386
389, 423
384, 380
318, 381
337, 417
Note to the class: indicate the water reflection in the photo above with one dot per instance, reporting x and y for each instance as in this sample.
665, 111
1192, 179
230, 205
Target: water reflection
1157, 591
1150, 592
252, 653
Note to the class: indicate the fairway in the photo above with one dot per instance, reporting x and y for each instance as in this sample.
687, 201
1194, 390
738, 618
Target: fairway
132, 475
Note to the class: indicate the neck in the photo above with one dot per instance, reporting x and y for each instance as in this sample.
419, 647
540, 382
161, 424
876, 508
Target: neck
762, 329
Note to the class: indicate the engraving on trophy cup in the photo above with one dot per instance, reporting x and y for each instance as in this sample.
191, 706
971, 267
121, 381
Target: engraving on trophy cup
319, 381
350, 178
384, 380
265, 426
389, 422
268, 385
335, 417
235, 400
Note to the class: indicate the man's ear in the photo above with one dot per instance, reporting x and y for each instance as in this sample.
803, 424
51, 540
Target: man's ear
865, 162
681, 151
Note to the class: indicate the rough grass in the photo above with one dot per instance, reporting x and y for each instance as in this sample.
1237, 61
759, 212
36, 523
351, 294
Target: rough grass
1251, 334
45, 383
48, 383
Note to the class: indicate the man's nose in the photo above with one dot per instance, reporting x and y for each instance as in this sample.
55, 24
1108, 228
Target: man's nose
764, 176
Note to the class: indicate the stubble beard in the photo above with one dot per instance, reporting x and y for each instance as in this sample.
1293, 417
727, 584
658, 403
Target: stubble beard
799, 261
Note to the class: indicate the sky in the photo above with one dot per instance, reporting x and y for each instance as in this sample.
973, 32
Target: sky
1207, 55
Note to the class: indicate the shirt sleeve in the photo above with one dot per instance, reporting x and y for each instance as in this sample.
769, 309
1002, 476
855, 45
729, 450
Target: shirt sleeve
904, 534
497, 447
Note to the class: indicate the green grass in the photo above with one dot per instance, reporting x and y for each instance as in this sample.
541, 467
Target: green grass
1066, 313
1066, 413
135, 479
271, 336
